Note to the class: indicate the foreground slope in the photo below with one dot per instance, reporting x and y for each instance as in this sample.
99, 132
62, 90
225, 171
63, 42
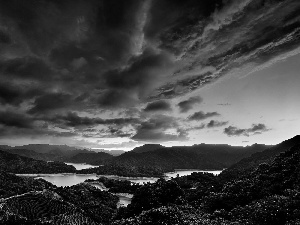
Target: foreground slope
268, 194
30, 201
247, 164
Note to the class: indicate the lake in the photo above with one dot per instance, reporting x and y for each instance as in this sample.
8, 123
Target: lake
81, 166
182, 172
66, 179
62, 179
72, 179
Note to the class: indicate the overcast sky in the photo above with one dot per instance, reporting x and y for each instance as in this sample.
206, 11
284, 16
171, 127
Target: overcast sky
117, 74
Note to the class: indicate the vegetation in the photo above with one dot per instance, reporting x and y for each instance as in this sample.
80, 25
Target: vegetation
93, 158
117, 186
98, 205
22, 165
11, 185
268, 193
30, 201
215, 157
124, 170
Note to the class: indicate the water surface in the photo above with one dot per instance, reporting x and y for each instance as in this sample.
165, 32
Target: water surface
62, 180
81, 166
182, 172
72, 179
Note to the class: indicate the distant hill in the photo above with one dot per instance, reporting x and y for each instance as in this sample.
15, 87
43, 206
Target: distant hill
247, 164
92, 158
164, 159
202, 156
19, 164
147, 148
61, 153
168, 159
35, 155
63, 150
111, 152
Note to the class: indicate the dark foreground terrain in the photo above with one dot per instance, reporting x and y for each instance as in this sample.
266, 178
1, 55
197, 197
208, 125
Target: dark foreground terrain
261, 189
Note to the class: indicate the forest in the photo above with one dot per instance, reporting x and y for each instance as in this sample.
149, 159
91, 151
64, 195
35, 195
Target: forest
266, 192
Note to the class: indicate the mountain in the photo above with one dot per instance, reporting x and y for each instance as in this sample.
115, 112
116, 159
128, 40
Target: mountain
247, 164
111, 152
35, 155
154, 160
269, 194
202, 156
61, 153
63, 150
147, 148
92, 158
23, 165
168, 159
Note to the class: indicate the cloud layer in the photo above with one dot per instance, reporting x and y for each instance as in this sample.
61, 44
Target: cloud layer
254, 129
70, 65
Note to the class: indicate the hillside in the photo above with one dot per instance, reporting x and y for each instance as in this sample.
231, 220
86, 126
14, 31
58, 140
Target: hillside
62, 153
92, 158
35, 155
247, 164
202, 156
269, 194
51, 152
169, 159
147, 148
150, 161
23, 165
111, 152
11, 184
79, 204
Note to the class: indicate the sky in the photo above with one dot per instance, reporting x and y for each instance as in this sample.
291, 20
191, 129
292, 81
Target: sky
113, 74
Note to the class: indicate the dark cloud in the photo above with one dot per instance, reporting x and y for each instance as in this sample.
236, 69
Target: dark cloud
51, 101
234, 131
255, 129
224, 104
72, 119
26, 68
239, 33
158, 106
16, 94
202, 116
199, 127
214, 123
159, 129
9, 94
138, 79
96, 55
186, 105
17, 120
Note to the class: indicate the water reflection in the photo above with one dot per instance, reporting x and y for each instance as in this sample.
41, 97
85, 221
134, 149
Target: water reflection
81, 166
182, 172
62, 180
